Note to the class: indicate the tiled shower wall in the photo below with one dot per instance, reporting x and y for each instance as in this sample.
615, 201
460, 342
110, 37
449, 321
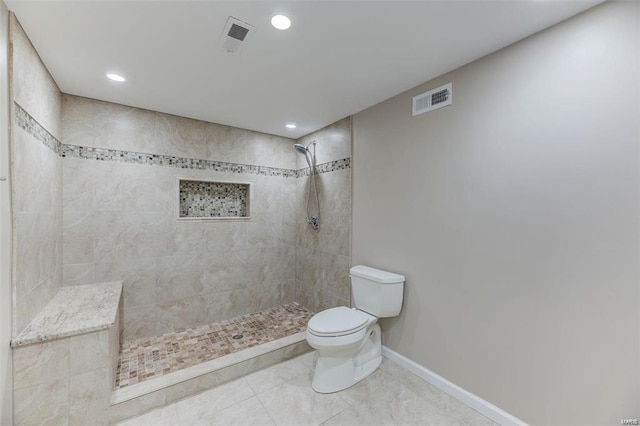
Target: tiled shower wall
36, 180
323, 256
120, 216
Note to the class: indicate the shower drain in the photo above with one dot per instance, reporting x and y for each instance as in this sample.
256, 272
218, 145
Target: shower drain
237, 336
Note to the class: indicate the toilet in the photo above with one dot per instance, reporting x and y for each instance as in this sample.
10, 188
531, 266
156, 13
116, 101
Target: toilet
348, 339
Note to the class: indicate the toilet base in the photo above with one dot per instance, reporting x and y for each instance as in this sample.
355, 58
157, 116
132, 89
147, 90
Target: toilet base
336, 371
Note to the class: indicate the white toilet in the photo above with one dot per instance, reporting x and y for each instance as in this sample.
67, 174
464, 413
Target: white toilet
348, 339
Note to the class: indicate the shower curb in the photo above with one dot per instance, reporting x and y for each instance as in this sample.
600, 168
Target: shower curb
154, 393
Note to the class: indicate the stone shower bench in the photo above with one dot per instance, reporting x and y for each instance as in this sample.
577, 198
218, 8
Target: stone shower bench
74, 310
64, 361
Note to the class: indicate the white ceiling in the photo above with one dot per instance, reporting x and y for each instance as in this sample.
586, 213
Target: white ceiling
338, 58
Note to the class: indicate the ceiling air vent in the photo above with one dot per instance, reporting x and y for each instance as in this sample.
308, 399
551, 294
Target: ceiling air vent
433, 99
235, 34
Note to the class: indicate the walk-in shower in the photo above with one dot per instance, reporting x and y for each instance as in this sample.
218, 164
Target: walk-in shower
313, 219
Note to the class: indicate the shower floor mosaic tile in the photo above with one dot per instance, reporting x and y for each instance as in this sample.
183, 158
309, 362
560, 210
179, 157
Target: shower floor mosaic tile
144, 359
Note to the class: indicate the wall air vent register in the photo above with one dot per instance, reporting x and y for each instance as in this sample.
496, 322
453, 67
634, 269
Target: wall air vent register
433, 99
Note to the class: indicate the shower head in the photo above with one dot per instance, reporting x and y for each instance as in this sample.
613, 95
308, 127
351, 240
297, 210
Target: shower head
301, 149
305, 150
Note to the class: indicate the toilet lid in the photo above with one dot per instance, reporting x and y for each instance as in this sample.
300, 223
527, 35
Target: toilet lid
337, 321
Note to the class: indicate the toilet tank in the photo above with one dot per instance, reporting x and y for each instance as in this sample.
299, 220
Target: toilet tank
376, 292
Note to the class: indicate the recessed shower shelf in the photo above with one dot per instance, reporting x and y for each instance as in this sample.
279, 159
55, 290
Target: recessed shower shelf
212, 200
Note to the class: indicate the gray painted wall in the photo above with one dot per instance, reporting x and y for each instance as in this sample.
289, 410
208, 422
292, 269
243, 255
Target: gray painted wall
513, 214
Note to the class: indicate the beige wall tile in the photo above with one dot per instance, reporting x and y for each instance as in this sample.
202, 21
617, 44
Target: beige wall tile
139, 277
43, 404
78, 274
179, 277
33, 88
141, 321
88, 352
36, 185
31, 303
90, 397
97, 124
78, 236
37, 249
100, 124
78, 181
219, 306
180, 314
36, 173
40, 363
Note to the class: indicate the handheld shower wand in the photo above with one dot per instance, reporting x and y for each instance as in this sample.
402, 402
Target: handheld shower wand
312, 220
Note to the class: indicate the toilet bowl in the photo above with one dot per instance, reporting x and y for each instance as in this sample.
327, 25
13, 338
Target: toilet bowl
349, 347
348, 340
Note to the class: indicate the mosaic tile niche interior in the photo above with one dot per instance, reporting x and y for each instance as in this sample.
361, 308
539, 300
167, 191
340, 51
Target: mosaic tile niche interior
206, 199
119, 223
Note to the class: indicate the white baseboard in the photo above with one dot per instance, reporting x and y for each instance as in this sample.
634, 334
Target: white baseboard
480, 405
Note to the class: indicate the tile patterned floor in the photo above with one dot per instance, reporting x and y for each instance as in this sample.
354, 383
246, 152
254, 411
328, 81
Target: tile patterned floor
282, 395
144, 359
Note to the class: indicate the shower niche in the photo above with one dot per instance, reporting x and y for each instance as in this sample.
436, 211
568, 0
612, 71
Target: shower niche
200, 199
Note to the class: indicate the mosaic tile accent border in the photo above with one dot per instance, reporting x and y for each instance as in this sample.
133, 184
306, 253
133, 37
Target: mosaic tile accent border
31, 125
332, 166
145, 359
26, 122
89, 153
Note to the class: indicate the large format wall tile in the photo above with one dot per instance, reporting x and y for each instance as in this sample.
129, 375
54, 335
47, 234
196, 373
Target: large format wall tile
40, 363
179, 277
180, 314
37, 249
323, 256
78, 236
32, 86
29, 304
36, 181
89, 397
332, 142
138, 279
38, 255
141, 321
131, 187
43, 404
78, 274
77, 181
89, 352
36, 174
88, 122
132, 235
222, 305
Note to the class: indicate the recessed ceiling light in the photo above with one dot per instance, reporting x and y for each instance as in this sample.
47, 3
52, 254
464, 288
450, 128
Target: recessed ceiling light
115, 77
291, 126
281, 22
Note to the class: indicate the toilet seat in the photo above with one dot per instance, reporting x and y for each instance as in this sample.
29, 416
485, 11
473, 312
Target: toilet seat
338, 321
